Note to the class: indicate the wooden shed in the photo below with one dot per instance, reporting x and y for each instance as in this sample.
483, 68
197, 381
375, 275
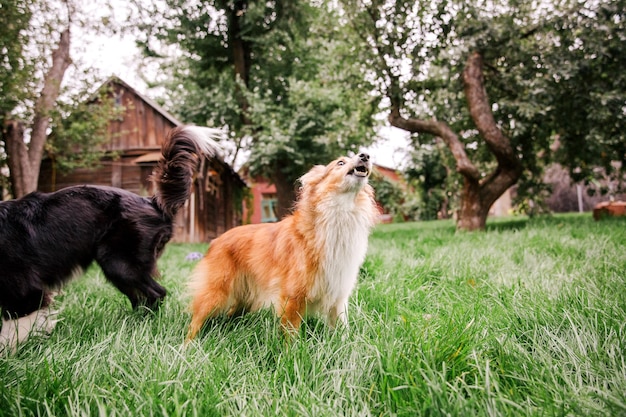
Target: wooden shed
133, 150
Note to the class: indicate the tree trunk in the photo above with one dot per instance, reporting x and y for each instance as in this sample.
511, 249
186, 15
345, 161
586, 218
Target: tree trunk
17, 158
241, 56
285, 193
478, 193
25, 162
472, 214
509, 168
443, 209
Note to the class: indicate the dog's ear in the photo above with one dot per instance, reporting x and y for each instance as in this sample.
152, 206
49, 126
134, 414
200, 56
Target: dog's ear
314, 175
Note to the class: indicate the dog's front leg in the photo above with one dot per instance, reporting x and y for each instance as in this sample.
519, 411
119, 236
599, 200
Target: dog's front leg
338, 312
291, 316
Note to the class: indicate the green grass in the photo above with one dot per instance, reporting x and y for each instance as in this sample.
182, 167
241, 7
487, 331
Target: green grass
528, 318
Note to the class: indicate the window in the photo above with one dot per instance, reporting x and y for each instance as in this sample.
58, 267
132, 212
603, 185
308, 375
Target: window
268, 208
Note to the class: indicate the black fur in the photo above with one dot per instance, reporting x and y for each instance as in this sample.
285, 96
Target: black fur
45, 238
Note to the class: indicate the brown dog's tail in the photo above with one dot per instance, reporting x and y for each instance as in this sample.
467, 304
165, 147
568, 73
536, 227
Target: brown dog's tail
183, 150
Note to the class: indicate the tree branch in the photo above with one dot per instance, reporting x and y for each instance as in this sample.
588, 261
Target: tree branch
480, 111
440, 129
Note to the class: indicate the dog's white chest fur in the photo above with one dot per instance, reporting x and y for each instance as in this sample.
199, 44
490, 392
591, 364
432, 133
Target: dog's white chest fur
342, 234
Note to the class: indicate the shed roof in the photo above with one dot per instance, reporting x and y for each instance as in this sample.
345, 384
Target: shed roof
114, 79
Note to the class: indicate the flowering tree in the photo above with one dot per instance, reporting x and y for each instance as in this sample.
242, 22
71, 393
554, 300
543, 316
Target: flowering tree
282, 76
503, 84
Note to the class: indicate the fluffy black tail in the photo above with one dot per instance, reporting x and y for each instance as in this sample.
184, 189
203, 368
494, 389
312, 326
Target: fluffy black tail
183, 149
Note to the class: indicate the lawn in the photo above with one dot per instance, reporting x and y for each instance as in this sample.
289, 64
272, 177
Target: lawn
528, 318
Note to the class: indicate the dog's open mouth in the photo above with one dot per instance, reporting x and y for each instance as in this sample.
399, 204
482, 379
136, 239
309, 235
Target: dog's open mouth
360, 170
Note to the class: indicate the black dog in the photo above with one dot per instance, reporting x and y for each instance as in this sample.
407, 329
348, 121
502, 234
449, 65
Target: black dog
46, 238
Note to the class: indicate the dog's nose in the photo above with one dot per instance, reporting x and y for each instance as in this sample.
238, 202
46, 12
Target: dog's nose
364, 157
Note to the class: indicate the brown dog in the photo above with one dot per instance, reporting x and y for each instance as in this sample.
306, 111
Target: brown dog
307, 262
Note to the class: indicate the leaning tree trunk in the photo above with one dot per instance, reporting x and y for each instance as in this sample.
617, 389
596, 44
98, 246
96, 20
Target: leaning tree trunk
25, 162
478, 194
17, 158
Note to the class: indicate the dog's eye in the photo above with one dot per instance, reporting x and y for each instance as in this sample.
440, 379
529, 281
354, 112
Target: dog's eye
340, 163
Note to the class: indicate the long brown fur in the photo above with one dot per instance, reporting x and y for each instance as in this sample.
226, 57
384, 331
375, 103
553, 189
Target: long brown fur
307, 262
